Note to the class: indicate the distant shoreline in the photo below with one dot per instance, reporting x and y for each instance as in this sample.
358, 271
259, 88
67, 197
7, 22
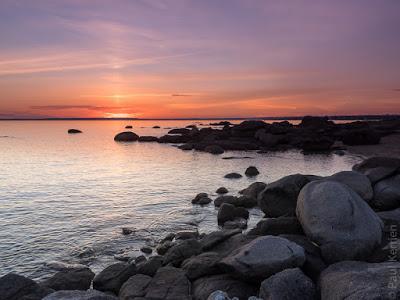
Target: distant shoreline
340, 117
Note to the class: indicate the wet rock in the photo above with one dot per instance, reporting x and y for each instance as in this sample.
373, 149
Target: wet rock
186, 147
235, 224
79, 279
212, 239
186, 235
73, 131
279, 198
277, 226
169, 284
146, 250
126, 136
135, 286
360, 280
113, 277
205, 286
228, 245
156, 127
148, 139
169, 237
264, 257
288, 284
16, 287
222, 190
140, 259
128, 127
378, 168
356, 181
253, 190
352, 235
251, 171
202, 265
181, 251
214, 149
201, 199
179, 131
225, 199
233, 176
387, 193
80, 295
126, 231
151, 266
228, 212
361, 137
163, 247
174, 139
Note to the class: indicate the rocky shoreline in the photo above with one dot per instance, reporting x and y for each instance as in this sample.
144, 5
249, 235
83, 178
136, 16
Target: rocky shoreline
330, 237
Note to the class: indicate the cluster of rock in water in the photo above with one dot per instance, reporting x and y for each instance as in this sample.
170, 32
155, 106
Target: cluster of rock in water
330, 237
312, 134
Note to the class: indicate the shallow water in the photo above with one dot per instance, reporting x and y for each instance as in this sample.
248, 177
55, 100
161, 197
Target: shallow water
66, 197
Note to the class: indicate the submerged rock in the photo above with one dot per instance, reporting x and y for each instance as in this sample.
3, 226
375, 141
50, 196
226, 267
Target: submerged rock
126, 136
233, 176
336, 218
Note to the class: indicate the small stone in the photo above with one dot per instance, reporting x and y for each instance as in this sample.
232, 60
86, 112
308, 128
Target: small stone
126, 231
146, 250
251, 171
233, 176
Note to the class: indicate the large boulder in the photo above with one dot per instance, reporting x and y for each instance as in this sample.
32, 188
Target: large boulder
288, 284
181, 251
336, 218
277, 226
126, 136
212, 239
228, 212
134, 287
353, 280
74, 279
279, 198
378, 168
356, 181
204, 286
253, 190
202, 265
150, 266
17, 287
387, 193
113, 277
264, 257
169, 283
361, 137
80, 295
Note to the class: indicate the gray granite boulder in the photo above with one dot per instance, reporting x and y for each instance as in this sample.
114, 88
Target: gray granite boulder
135, 286
17, 287
202, 265
74, 279
358, 182
113, 277
378, 168
181, 251
80, 295
253, 190
387, 193
338, 220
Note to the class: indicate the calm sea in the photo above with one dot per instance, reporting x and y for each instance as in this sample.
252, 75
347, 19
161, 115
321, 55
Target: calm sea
65, 198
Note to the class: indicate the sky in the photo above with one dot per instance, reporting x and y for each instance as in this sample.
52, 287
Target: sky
198, 58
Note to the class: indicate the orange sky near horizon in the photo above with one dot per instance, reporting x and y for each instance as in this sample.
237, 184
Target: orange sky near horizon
198, 59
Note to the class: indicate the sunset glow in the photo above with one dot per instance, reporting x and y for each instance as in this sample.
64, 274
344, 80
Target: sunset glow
181, 59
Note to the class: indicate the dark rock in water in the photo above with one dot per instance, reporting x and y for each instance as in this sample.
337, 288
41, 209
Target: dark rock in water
113, 277
72, 131
264, 257
356, 181
126, 231
225, 199
279, 198
222, 190
163, 247
181, 251
74, 279
237, 157
174, 139
222, 123
214, 238
246, 201
128, 127
169, 284
156, 127
288, 284
148, 139
339, 152
277, 226
151, 266
336, 218
314, 263
387, 193
16, 287
140, 259
169, 237
315, 143
205, 286
228, 212
214, 149
253, 190
360, 280
179, 131
248, 126
239, 223
201, 199
233, 175
361, 137
251, 171
146, 250
79, 295
202, 265
378, 168
186, 235
126, 136
242, 201
315, 122
186, 147
134, 287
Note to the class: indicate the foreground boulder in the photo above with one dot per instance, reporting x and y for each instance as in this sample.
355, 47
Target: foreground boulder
253, 190
134, 287
181, 251
79, 295
387, 193
378, 168
277, 226
202, 265
264, 257
17, 287
359, 280
228, 212
126, 136
205, 286
361, 137
279, 198
113, 277
75, 279
356, 181
288, 284
336, 218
